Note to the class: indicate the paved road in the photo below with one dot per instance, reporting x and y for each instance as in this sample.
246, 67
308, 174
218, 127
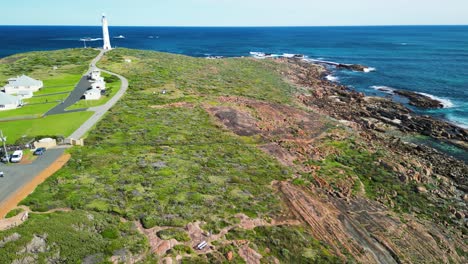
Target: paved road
17, 175
99, 111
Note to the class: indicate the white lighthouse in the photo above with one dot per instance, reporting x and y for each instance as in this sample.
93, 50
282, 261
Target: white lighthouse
105, 33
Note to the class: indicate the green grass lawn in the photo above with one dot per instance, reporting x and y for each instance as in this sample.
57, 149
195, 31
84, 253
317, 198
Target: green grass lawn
59, 83
71, 63
27, 111
63, 125
47, 98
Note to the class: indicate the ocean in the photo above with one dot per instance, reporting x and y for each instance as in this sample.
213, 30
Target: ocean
427, 59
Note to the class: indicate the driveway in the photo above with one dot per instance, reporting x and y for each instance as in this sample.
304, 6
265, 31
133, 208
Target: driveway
76, 94
74, 97
17, 175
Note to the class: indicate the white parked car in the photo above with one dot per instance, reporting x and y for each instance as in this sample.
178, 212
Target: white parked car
17, 156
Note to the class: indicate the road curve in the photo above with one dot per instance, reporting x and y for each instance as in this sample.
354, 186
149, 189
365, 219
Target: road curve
99, 111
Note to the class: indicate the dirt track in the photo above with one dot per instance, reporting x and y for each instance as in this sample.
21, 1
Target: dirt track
27, 189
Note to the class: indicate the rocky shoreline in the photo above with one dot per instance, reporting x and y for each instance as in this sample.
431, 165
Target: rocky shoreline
406, 204
373, 113
385, 123
420, 100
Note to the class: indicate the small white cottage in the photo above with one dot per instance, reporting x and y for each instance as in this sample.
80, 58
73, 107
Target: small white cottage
95, 75
101, 85
92, 94
9, 102
22, 83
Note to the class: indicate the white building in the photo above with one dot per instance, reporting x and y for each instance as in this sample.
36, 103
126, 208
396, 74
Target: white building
105, 33
92, 94
9, 102
22, 83
101, 85
97, 82
95, 74
25, 94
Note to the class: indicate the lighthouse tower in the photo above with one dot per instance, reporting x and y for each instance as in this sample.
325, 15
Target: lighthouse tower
105, 33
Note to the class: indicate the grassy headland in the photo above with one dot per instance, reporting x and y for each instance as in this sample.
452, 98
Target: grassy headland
162, 159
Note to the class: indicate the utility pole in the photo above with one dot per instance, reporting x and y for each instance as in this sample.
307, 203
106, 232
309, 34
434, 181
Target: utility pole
4, 145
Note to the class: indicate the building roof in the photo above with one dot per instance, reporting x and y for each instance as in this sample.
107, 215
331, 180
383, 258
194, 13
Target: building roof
92, 90
23, 80
6, 99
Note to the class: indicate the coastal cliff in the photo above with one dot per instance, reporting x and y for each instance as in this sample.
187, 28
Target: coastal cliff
264, 160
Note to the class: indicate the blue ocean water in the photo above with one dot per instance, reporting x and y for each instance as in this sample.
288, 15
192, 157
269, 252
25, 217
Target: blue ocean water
427, 59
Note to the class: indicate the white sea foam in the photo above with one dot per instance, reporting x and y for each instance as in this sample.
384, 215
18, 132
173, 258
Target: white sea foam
332, 78
288, 55
90, 39
262, 55
369, 69
445, 102
384, 89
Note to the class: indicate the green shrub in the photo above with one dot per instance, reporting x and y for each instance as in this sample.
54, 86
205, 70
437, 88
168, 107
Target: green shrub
14, 212
173, 233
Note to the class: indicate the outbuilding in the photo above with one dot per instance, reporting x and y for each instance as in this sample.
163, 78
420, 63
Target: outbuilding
92, 94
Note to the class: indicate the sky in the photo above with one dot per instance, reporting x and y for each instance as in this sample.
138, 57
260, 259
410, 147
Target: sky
235, 12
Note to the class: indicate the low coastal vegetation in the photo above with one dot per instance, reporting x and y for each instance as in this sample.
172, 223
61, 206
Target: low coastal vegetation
14, 212
71, 237
161, 166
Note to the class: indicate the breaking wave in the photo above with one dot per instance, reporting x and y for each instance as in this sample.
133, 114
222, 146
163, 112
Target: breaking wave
444, 101
332, 78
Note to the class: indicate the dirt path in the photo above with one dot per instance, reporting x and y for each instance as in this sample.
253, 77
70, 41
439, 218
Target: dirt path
20, 218
27, 189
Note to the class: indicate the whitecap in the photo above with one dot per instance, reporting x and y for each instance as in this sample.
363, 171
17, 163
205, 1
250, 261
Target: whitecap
383, 88
369, 69
332, 78
288, 55
445, 102
90, 39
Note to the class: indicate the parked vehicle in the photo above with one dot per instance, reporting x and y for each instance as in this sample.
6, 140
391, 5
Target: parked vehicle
39, 151
202, 245
17, 156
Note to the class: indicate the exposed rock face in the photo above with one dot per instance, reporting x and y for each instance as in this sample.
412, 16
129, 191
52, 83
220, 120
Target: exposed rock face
37, 245
249, 255
366, 229
11, 238
375, 113
353, 67
419, 100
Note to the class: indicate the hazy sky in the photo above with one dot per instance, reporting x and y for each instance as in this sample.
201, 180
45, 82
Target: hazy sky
234, 12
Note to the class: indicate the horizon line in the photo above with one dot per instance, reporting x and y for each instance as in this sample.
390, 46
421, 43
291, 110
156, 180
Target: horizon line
254, 26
